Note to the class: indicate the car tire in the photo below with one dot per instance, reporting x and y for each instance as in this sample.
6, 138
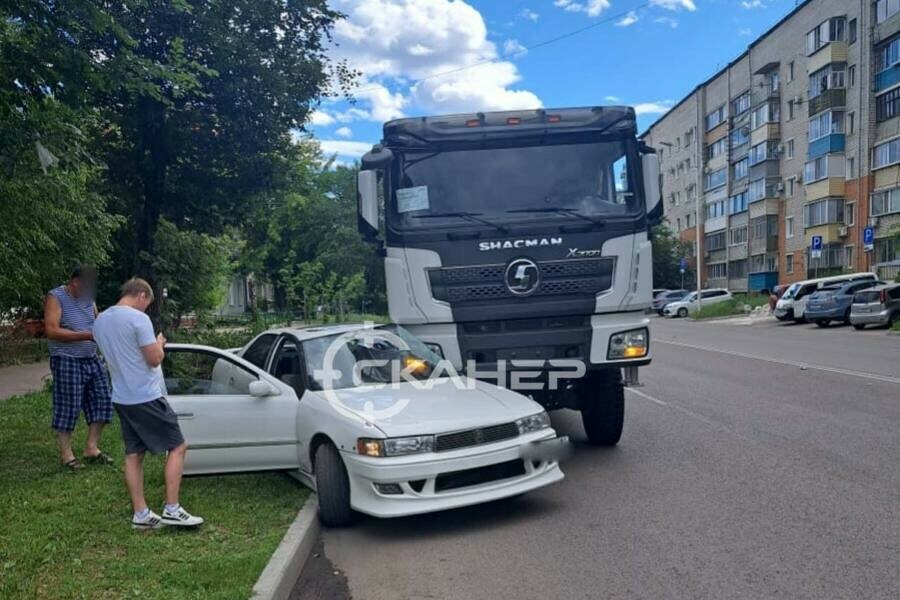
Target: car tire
332, 487
823, 322
682, 312
603, 407
858, 326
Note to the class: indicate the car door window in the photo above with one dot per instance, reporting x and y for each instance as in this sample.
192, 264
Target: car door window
200, 373
287, 365
258, 351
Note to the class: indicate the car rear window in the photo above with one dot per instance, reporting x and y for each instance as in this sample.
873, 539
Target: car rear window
867, 297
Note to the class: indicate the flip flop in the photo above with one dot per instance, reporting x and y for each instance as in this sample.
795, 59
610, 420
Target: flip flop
73, 465
100, 459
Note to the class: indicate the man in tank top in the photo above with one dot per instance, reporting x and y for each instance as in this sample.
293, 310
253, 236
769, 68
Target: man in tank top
80, 380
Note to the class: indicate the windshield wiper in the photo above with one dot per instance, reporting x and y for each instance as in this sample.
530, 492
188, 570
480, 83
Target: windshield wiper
560, 210
469, 216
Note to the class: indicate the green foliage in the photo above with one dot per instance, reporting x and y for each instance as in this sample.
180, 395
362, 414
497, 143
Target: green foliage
732, 307
667, 254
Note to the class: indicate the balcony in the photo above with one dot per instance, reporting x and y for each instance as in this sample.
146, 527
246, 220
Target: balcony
766, 132
763, 245
832, 233
887, 78
715, 224
739, 152
832, 52
834, 98
831, 187
764, 93
829, 144
763, 189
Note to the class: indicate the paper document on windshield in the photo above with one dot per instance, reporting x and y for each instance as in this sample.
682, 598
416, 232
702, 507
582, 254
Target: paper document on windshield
414, 198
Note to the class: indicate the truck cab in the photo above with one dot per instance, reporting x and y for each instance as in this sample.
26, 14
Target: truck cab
520, 241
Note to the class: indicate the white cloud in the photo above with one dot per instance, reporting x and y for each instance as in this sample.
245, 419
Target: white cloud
530, 15
344, 148
344, 132
514, 48
319, 117
749, 4
629, 19
673, 23
745, 32
395, 42
613, 99
675, 4
592, 8
653, 108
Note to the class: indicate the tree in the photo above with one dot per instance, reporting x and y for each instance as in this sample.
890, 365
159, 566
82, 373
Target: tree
667, 254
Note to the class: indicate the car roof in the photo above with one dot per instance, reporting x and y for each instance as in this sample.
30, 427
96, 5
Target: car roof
318, 331
878, 288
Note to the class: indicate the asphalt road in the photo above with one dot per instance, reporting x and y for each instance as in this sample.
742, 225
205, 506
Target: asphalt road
757, 462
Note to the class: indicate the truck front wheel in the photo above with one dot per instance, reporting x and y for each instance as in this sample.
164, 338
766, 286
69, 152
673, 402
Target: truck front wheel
603, 407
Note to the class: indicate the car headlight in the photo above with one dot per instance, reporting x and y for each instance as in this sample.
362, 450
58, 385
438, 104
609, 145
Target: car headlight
399, 446
629, 344
535, 422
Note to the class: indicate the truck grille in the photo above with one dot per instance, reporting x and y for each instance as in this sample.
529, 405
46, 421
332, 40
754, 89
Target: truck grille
474, 437
585, 276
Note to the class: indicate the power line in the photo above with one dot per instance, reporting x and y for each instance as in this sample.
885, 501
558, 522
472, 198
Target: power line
525, 49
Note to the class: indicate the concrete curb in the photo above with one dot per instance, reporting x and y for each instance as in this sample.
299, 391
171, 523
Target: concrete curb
278, 578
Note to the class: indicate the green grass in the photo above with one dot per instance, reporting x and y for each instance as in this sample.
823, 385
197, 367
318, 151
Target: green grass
732, 307
18, 351
67, 535
896, 326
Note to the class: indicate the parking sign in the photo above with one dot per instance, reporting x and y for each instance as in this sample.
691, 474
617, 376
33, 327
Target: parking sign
869, 239
682, 265
815, 246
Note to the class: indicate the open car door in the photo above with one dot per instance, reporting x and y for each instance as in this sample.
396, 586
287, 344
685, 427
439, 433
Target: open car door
234, 416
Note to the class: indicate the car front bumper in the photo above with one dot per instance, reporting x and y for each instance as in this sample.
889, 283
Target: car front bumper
364, 472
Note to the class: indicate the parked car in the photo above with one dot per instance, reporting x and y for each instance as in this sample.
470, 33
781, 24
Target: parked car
777, 293
270, 407
879, 305
832, 303
792, 305
660, 301
690, 305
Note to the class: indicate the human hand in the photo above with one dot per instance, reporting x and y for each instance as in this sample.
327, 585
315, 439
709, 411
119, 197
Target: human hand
161, 339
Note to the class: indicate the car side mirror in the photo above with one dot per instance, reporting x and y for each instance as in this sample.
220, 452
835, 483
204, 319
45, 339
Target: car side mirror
261, 389
652, 188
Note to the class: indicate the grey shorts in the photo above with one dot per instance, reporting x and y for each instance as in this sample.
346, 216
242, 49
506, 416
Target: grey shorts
149, 427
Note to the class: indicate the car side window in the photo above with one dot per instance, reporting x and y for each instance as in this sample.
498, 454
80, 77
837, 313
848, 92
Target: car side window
257, 353
287, 365
895, 293
203, 373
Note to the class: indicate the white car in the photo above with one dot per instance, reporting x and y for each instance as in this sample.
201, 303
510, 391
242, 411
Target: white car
682, 308
381, 447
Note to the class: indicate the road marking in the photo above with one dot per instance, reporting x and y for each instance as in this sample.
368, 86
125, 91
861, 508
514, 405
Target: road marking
802, 366
646, 396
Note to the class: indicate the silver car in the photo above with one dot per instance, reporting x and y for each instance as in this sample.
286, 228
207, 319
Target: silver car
876, 306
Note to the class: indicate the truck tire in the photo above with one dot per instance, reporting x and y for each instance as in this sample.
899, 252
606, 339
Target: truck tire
603, 407
332, 487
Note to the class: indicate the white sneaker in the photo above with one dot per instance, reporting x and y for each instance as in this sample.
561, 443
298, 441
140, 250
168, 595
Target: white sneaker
180, 517
151, 521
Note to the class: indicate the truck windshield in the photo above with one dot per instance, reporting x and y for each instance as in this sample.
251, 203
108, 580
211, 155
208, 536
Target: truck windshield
506, 185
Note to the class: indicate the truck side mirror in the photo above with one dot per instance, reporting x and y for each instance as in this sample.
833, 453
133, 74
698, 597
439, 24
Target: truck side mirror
652, 187
367, 204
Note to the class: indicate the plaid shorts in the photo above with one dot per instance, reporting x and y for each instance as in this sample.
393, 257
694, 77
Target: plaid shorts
79, 384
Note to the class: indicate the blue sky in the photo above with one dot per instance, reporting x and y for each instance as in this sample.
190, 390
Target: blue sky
416, 56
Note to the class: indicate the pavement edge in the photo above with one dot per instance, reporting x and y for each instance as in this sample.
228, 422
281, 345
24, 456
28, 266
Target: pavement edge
284, 567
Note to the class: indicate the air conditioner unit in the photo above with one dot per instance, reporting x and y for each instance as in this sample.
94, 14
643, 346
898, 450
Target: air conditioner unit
797, 99
779, 187
779, 148
842, 231
873, 221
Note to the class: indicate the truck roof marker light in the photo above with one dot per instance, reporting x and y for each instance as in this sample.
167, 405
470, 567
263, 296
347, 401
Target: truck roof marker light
554, 118
514, 121
473, 122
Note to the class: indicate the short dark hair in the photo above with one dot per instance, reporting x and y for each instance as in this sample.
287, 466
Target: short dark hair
137, 286
83, 271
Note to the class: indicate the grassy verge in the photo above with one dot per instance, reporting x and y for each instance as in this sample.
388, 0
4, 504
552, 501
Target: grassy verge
65, 535
18, 351
896, 326
732, 307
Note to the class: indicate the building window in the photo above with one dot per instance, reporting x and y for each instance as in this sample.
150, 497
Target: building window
886, 250
886, 202
739, 137
766, 113
790, 181
887, 105
851, 123
850, 214
851, 31
827, 78
848, 257
737, 269
830, 210
826, 123
851, 76
738, 236
687, 220
678, 224
716, 271
887, 154
887, 55
717, 148
737, 203
715, 209
715, 241
790, 106
759, 189
885, 9
815, 170
791, 70
789, 263
789, 148
851, 167
789, 227
741, 168
688, 137
715, 117
716, 179
741, 104
832, 30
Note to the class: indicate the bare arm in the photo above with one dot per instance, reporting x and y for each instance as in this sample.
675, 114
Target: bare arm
154, 353
52, 328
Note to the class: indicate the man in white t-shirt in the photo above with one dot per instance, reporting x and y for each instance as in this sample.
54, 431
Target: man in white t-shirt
134, 354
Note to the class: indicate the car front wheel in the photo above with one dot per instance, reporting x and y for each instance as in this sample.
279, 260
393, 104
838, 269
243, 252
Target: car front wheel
603, 407
333, 487
823, 322
682, 312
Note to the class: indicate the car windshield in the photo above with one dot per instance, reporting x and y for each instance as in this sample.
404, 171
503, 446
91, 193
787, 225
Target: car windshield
387, 350
502, 185
691, 297
791, 291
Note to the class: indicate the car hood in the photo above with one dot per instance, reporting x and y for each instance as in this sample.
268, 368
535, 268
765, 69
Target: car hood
407, 409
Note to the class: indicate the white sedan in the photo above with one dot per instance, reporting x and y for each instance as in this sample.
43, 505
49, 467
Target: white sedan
332, 405
689, 304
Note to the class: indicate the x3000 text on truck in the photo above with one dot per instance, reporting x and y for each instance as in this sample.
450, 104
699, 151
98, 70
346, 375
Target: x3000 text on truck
522, 236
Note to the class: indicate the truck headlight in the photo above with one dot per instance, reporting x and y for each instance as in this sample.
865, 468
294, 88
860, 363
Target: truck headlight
535, 422
629, 344
399, 446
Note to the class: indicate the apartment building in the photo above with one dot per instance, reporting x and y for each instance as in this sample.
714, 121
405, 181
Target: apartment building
797, 137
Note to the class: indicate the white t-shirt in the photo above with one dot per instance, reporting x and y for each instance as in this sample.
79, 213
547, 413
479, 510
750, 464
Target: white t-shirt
120, 332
